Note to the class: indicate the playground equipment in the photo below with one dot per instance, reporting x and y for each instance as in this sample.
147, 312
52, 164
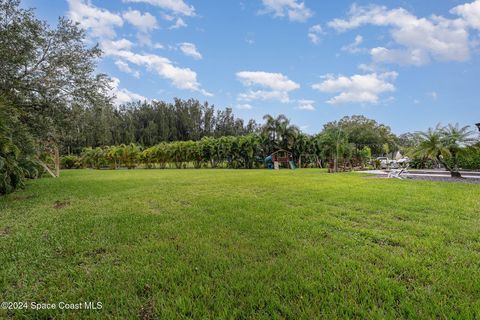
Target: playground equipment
278, 158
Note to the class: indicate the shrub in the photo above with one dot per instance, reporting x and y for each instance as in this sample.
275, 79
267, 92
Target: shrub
16, 150
469, 159
420, 163
70, 162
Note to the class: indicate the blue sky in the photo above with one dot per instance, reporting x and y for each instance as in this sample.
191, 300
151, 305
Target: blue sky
408, 64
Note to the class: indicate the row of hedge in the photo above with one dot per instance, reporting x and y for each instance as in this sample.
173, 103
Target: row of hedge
228, 152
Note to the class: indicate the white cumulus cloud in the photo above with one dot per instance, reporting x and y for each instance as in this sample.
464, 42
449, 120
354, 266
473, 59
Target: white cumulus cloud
306, 105
314, 33
418, 40
278, 86
112, 46
470, 12
123, 66
100, 22
275, 81
354, 46
143, 22
357, 88
264, 95
175, 6
178, 24
122, 95
293, 9
245, 106
144, 39
181, 78
189, 49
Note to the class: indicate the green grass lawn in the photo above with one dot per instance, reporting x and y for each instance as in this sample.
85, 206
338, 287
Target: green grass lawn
244, 244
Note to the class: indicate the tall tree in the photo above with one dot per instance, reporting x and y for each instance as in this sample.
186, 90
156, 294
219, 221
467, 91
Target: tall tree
278, 132
334, 145
362, 131
45, 71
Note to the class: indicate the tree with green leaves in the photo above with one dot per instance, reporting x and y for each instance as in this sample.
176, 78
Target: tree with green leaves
445, 143
17, 151
45, 71
278, 133
334, 146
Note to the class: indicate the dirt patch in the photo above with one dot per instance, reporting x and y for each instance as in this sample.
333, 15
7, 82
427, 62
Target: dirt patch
5, 231
147, 311
386, 242
154, 207
146, 291
96, 252
60, 204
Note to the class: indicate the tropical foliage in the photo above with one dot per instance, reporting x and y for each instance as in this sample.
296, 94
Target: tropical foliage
227, 152
445, 145
353, 141
332, 146
17, 151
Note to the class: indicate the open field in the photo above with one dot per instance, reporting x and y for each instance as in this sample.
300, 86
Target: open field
253, 244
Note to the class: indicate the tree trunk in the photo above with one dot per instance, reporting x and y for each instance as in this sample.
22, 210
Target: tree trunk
454, 173
56, 159
44, 166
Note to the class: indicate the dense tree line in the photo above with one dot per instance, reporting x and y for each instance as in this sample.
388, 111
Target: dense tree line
344, 144
332, 145
148, 123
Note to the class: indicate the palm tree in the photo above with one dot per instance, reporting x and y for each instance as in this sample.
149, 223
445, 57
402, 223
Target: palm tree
445, 143
249, 147
269, 129
456, 140
269, 132
113, 155
278, 133
287, 134
162, 154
